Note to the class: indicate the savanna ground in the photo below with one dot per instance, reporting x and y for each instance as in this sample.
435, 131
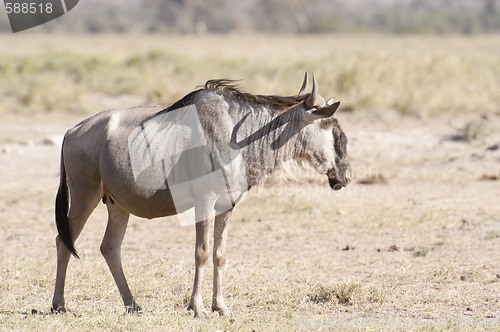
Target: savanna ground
414, 241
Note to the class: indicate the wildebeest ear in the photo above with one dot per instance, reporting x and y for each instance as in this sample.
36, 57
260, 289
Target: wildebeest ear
323, 113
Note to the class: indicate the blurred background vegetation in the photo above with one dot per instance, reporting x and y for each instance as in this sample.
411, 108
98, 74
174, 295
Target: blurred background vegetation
288, 16
422, 57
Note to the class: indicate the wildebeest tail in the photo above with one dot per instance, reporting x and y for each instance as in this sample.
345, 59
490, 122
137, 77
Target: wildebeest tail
62, 205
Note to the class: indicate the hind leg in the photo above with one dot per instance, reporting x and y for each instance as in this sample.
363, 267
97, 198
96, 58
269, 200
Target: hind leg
111, 250
83, 202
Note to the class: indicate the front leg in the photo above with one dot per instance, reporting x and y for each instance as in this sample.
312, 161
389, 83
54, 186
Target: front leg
201, 257
219, 258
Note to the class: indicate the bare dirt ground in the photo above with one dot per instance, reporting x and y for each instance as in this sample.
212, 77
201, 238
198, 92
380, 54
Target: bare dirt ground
414, 241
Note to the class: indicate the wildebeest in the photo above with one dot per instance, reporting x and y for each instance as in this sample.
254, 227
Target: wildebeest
202, 152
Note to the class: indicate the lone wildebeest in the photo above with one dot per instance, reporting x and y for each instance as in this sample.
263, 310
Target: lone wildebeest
203, 152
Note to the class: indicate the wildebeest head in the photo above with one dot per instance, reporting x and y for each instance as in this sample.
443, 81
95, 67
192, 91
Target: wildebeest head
325, 144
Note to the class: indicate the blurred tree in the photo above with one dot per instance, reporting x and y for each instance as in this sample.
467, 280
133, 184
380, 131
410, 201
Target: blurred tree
490, 16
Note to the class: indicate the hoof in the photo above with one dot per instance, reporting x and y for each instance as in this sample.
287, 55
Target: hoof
59, 309
221, 309
199, 311
133, 308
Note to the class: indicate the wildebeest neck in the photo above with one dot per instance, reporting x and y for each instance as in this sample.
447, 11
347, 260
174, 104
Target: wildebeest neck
266, 140
267, 131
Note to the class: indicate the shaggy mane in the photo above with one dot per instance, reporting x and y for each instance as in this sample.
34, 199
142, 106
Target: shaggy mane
230, 88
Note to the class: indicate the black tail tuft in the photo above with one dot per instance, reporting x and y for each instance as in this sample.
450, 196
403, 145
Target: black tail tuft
62, 204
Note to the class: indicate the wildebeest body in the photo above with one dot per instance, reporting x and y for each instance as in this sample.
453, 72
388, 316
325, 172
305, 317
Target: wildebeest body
203, 152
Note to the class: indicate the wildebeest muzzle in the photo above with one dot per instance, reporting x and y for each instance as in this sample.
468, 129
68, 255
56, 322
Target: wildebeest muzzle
340, 176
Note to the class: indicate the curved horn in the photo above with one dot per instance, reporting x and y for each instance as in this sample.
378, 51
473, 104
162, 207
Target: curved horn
311, 101
303, 89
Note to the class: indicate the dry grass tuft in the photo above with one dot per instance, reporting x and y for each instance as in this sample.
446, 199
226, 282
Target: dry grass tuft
476, 129
373, 179
343, 292
421, 252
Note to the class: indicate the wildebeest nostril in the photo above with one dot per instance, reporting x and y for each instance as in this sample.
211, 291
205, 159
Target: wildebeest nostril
335, 184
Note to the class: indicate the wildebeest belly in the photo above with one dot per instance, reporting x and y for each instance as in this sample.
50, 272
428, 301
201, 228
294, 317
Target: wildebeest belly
131, 193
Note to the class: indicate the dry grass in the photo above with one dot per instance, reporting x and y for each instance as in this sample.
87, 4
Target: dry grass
300, 255
417, 252
412, 75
